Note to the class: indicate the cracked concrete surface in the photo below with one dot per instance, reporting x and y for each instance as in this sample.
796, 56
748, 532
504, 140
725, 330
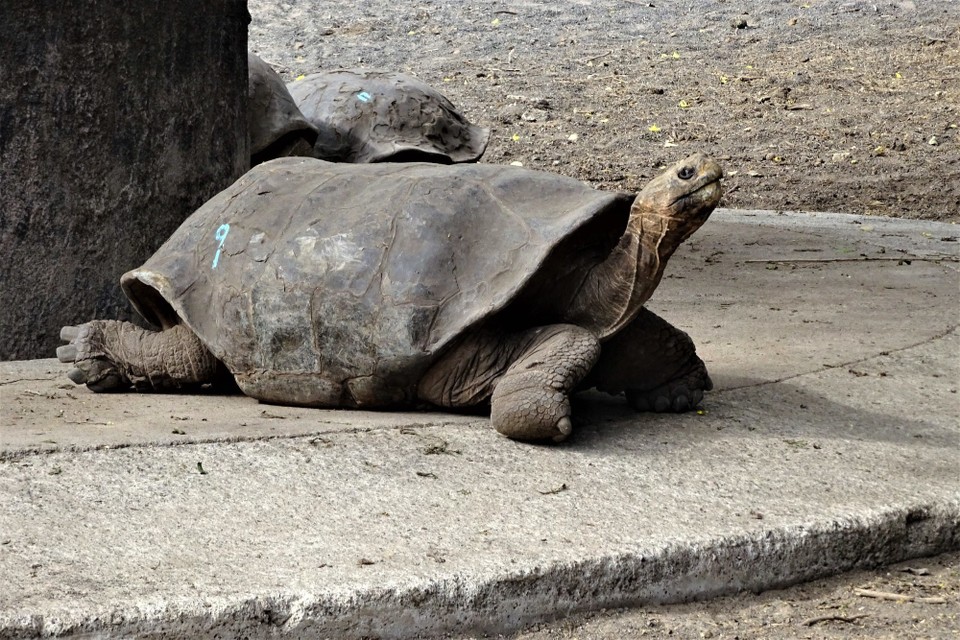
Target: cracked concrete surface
831, 441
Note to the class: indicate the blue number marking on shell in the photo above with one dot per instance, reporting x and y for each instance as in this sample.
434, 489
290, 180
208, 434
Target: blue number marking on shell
220, 235
363, 96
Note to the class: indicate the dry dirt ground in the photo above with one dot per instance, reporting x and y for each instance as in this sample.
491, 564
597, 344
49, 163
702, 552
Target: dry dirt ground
810, 104
824, 609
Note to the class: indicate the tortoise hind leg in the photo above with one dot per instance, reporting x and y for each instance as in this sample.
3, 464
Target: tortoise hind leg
113, 356
527, 376
654, 364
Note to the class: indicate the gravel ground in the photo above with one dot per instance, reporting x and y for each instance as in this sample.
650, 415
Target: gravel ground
810, 104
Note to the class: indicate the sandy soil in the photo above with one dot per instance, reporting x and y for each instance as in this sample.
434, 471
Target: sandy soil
811, 104
819, 610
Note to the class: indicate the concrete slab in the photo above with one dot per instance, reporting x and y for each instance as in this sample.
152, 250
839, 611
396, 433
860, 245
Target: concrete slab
831, 442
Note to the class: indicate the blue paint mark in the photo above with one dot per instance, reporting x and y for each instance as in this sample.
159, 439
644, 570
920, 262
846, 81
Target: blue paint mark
220, 235
363, 96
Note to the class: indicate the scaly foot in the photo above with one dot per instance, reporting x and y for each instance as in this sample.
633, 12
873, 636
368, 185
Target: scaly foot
92, 363
680, 394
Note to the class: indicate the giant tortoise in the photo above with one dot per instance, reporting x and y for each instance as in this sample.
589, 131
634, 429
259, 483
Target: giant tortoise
355, 115
404, 285
362, 115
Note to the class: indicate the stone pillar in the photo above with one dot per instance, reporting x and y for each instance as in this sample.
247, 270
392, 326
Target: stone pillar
117, 120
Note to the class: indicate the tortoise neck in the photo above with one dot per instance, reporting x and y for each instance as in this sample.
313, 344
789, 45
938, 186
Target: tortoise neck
614, 290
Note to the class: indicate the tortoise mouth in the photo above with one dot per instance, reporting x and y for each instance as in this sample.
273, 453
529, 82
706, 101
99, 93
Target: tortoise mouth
706, 195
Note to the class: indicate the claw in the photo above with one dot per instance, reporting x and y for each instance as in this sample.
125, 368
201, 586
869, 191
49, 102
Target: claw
77, 376
69, 333
67, 353
681, 403
565, 427
109, 382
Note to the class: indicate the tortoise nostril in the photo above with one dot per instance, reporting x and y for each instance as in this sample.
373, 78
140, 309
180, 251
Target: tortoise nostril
686, 173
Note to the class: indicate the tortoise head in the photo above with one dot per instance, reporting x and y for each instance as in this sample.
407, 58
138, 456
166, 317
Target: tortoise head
675, 203
670, 208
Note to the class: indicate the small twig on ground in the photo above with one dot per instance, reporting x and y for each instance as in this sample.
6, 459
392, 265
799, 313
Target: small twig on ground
25, 380
861, 259
898, 597
602, 55
562, 487
592, 78
812, 621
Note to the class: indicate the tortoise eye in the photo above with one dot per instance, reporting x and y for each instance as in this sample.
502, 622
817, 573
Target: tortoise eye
686, 173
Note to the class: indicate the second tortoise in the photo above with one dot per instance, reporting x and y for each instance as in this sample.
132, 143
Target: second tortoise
362, 115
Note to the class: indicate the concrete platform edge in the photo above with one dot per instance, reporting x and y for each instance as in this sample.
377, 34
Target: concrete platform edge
509, 601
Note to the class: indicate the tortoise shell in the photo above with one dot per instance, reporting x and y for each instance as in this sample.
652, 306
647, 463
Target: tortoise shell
316, 282
378, 116
274, 123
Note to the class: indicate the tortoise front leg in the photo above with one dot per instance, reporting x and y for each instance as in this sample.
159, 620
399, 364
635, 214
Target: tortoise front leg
111, 356
527, 376
654, 364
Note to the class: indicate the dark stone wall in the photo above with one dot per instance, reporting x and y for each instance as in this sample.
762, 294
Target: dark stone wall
117, 120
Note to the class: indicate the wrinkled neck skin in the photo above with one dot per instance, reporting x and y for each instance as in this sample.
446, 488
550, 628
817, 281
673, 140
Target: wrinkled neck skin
663, 215
614, 290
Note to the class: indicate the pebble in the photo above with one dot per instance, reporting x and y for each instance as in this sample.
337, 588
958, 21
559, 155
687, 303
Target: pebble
535, 115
